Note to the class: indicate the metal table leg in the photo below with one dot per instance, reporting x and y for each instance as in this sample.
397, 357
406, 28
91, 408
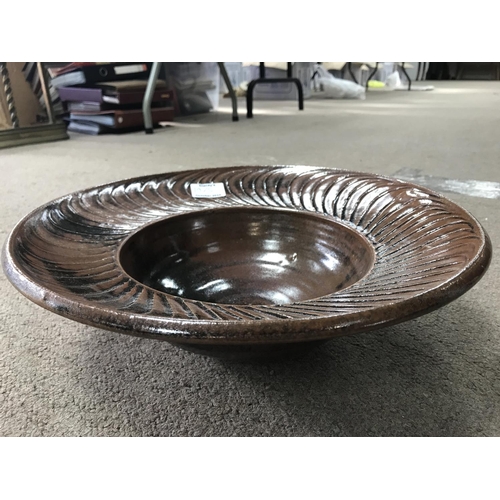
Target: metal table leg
349, 67
148, 97
230, 89
406, 74
371, 75
263, 79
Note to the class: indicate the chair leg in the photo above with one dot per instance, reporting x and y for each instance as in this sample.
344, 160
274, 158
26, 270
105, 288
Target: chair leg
370, 76
263, 79
230, 89
406, 74
148, 97
253, 83
349, 67
250, 88
300, 91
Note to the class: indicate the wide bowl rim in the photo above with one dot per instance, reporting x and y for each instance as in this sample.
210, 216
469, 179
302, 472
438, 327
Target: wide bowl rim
261, 331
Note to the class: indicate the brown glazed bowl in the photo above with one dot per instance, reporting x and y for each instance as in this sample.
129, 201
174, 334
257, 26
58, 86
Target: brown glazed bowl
246, 262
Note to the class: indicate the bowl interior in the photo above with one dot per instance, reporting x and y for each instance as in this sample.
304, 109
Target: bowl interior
247, 256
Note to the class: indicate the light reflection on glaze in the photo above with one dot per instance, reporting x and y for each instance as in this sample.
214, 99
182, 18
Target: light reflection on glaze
247, 256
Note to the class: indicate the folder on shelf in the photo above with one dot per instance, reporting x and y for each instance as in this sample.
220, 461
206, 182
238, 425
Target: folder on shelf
96, 107
92, 73
126, 92
123, 119
132, 91
86, 127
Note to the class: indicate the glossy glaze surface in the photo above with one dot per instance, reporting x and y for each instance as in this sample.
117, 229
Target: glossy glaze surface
66, 255
247, 256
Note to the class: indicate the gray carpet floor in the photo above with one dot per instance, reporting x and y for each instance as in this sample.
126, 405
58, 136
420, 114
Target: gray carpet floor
438, 375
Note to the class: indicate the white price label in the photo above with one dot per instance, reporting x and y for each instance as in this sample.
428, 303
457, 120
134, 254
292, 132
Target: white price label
208, 190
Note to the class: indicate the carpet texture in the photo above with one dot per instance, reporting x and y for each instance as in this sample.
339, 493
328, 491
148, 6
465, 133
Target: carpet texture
438, 375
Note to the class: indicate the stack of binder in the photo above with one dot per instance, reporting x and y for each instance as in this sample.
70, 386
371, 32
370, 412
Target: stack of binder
105, 98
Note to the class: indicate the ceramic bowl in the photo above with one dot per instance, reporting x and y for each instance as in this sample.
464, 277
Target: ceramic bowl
245, 262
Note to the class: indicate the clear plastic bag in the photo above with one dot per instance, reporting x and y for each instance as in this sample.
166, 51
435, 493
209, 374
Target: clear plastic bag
393, 81
336, 88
